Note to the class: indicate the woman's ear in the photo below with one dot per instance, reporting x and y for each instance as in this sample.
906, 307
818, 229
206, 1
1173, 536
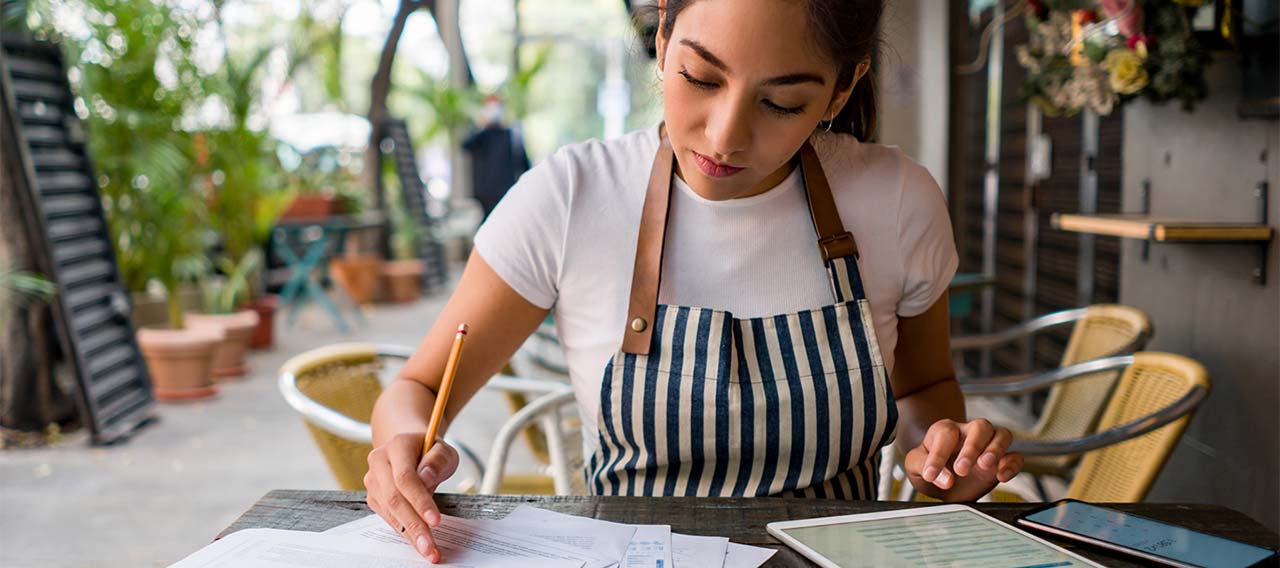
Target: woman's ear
659, 42
838, 101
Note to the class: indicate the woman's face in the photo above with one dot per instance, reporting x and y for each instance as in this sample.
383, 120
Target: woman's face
744, 85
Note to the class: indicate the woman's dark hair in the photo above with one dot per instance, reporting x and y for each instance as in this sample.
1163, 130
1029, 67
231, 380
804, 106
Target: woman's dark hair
847, 30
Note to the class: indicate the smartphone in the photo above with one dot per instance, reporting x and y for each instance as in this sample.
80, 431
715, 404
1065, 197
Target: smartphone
1144, 538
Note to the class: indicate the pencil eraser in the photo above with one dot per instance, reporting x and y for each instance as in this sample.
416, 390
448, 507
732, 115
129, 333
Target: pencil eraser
462, 328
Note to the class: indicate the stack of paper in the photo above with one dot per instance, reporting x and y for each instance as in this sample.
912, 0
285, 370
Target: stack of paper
537, 537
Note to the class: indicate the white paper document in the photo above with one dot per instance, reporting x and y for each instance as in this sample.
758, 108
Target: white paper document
698, 551
495, 538
275, 548
606, 539
686, 551
743, 556
649, 548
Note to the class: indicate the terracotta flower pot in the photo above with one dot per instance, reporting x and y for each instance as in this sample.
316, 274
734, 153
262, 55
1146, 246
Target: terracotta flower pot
360, 276
228, 358
404, 280
311, 207
264, 336
180, 361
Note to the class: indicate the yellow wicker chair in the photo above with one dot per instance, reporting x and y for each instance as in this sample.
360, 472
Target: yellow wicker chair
1153, 400
334, 389
1073, 407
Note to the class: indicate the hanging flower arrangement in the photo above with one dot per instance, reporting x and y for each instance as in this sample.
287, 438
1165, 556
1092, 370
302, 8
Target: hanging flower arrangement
1096, 54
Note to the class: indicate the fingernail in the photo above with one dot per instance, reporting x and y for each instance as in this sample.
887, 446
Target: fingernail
944, 477
432, 518
427, 473
930, 473
1005, 475
423, 545
987, 461
962, 465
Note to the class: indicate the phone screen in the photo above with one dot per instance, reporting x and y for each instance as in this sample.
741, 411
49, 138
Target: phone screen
1153, 537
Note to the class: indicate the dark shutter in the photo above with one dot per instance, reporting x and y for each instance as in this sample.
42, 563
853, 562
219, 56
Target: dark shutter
1057, 252
56, 186
397, 144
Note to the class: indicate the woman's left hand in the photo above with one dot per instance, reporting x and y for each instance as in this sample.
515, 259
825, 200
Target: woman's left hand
962, 461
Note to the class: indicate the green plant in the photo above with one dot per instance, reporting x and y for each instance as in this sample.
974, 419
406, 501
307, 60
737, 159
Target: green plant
516, 89
451, 107
18, 286
225, 293
404, 228
136, 75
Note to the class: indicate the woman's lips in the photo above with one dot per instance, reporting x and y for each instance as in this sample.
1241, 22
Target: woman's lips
713, 168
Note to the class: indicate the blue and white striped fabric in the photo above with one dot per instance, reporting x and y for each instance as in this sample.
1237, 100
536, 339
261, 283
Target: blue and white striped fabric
793, 404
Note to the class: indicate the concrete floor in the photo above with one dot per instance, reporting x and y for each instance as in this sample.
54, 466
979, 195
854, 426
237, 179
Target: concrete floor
179, 481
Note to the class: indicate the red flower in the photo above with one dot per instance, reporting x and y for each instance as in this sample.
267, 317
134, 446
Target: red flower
1038, 8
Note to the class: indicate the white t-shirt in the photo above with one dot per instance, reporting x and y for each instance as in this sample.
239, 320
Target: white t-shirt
564, 237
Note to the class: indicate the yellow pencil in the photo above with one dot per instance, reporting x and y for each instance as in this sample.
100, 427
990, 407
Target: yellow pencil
446, 384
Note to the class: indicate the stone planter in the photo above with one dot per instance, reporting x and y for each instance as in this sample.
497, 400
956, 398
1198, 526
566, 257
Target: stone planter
360, 276
264, 336
180, 361
228, 357
403, 280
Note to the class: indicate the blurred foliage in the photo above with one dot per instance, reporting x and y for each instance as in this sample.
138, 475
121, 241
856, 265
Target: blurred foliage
17, 287
137, 78
227, 292
515, 90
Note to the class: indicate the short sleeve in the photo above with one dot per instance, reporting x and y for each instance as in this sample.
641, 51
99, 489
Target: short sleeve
523, 238
925, 241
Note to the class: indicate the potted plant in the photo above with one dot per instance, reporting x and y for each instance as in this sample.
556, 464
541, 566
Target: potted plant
179, 356
247, 191
403, 275
356, 270
224, 295
144, 167
360, 275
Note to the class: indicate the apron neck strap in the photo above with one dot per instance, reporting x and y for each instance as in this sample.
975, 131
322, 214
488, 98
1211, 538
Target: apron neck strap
834, 241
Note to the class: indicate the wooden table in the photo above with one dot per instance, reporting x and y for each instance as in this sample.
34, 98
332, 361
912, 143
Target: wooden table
742, 520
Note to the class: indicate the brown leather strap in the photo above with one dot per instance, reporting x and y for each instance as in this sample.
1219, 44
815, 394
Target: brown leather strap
833, 240
648, 268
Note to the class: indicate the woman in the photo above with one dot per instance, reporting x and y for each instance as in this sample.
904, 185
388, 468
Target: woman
713, 348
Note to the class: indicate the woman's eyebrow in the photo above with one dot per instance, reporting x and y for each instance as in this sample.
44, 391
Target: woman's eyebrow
791, 79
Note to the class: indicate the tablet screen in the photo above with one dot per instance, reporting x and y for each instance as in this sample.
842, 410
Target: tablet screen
957, 539
1132, 531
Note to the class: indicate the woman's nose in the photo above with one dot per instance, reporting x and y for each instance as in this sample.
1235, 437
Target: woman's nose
729, 130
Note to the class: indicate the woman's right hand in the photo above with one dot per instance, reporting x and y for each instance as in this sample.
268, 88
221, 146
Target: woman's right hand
401, 485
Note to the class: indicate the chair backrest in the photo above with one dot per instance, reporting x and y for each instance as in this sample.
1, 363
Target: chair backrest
1074, 406
1124, 472
343, 378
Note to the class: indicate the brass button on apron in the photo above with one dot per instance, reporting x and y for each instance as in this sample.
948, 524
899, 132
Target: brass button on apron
638, 325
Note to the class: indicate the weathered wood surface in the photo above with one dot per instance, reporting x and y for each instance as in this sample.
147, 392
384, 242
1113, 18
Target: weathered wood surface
742, 520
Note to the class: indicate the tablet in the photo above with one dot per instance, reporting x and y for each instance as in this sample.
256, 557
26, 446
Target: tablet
946, 535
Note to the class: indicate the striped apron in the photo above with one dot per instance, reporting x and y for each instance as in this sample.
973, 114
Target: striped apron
700, 403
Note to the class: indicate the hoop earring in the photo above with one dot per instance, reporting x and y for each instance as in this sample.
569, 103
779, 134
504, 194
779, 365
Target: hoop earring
829, 123
657, 72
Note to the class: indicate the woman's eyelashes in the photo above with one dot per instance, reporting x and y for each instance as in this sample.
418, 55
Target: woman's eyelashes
709, 86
